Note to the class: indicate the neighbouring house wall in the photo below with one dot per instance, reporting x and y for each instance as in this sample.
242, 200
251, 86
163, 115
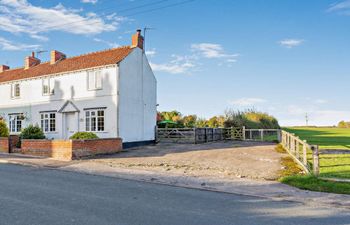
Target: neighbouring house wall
68, 86
4, 145
137, 99
71, 149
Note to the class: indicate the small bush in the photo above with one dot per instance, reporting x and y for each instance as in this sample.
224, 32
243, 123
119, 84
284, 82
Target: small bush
251, 119
4, 131
32, 132
84, 136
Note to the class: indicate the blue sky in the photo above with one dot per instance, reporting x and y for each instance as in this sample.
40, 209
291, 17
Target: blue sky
287, 57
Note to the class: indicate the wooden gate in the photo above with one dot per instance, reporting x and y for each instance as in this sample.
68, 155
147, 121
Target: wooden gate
177, 135
234, 133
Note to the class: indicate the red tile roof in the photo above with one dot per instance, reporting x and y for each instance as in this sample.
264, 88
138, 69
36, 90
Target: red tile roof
90, 60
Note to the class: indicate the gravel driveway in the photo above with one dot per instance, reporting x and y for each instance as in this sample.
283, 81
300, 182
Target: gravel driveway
219, 159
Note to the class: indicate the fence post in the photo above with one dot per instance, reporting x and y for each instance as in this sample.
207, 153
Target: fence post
206, 134
243, 130
297, 153
316, 160
195, 135
304, 153
251, 135
279, 136
293, 145
262, 134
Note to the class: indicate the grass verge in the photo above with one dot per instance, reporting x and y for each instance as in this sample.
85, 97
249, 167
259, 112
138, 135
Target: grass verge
293, 175
312, 183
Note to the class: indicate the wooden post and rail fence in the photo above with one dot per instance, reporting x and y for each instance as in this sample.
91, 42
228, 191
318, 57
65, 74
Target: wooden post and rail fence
305, 154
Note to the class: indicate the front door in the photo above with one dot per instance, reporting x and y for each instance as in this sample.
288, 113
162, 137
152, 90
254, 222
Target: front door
71, 124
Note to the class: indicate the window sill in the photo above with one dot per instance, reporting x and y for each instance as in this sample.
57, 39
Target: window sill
98, 132
97, 89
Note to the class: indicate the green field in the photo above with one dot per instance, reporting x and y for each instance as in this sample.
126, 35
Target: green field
331, 165
325, 138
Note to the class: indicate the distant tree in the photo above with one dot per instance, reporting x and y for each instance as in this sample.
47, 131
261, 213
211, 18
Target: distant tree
216, 121
189, 121
201, 122
159, 117
343, 124
172, 115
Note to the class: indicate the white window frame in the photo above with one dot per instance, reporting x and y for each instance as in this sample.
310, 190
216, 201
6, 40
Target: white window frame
15, 123
92, 119
94, 80
47, 87
48, 122
14, 93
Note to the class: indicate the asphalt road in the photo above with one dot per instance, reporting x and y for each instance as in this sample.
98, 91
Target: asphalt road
34, 196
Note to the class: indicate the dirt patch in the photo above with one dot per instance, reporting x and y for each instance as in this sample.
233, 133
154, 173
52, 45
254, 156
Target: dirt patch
252, 160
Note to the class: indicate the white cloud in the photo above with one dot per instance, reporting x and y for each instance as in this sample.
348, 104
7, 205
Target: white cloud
179, 65
89, 1
291, 43
341, 7
213, 51
321, 101
8, 45
110, 44
151, 52
247, 101
20, 16
187, 64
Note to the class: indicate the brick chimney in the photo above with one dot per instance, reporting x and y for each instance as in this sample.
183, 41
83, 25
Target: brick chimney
3, 68
31, 61
56, 56
137, 40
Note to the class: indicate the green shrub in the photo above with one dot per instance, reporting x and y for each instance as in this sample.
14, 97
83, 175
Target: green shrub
32, 132
84, 136
4, 131
251, 119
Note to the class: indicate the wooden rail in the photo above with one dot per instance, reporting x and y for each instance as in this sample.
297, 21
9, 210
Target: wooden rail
301, 151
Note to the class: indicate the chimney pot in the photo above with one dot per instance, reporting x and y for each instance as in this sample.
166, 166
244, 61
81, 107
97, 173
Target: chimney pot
137, 40
4, 68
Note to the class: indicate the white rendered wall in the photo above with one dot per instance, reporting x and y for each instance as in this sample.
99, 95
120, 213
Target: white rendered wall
70, 86
137, 98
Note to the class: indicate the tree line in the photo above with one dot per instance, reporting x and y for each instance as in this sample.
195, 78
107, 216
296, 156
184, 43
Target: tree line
251, 119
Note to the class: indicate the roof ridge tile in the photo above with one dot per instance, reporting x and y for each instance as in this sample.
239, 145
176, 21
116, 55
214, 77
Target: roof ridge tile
80, 62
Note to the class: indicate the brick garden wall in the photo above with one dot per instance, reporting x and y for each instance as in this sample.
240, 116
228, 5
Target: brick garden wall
84, 148
4, 145
71, 149
58, 149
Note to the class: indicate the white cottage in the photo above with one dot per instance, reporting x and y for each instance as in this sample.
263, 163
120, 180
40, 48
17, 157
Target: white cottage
112, 93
